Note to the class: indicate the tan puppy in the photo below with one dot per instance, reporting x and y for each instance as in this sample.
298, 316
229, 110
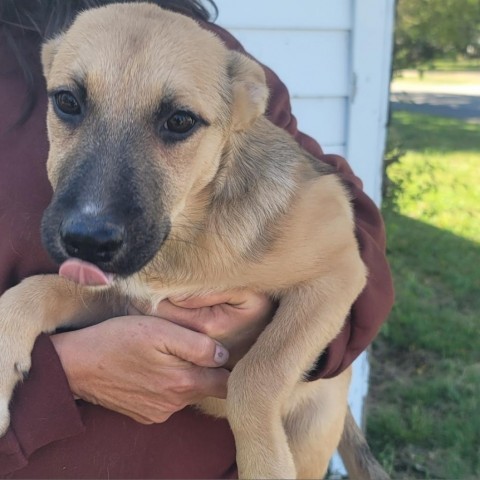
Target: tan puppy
169, 180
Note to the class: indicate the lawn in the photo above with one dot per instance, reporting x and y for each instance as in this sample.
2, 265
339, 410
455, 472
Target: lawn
455, 64
424, 407
437, 78
459, 71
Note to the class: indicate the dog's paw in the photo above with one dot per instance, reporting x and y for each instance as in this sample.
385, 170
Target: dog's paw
15, 362
12, 372
22, 318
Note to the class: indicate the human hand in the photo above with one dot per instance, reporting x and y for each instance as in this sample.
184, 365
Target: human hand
148, 368
234, 318
140, 366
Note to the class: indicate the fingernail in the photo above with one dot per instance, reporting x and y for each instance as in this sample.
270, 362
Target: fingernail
221, 355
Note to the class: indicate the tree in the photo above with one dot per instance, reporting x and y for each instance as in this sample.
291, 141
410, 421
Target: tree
430, 29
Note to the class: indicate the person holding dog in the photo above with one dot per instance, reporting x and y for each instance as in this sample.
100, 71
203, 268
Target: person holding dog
132, 376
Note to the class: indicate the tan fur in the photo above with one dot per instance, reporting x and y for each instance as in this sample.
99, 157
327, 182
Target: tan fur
356, 454
248, 210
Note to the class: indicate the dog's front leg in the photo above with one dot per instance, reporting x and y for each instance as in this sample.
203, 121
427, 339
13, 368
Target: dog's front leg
308, 318
39, 304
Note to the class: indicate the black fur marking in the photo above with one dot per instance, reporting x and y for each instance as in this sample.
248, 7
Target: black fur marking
115, 176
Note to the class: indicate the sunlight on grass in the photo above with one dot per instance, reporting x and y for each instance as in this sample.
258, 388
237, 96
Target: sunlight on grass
425, 133
441, 189
456, 64
468, 75
439, 176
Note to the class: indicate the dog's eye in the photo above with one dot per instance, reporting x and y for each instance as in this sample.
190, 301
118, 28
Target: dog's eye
67, 103
180, 122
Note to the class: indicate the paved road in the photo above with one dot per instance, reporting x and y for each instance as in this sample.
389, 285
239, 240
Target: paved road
465, 107
449, 100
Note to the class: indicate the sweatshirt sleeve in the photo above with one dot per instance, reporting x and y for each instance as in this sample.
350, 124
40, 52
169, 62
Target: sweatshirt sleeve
373, 305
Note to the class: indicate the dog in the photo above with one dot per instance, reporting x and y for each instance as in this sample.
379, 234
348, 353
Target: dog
169, 180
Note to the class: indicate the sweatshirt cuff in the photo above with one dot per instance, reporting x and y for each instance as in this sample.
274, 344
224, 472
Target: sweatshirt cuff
43, 409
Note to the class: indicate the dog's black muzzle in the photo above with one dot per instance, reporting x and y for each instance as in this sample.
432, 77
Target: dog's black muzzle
109, 221
115, 244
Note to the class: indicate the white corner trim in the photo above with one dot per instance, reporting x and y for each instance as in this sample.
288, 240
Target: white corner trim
372, 41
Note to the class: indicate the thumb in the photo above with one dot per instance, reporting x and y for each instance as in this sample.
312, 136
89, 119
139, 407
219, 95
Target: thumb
191, 346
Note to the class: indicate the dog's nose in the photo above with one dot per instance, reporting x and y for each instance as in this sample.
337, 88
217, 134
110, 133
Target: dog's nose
92, 238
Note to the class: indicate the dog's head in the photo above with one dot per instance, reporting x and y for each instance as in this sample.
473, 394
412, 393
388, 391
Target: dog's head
142, 105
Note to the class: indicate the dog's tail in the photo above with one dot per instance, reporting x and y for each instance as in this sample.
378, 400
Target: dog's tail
356, 454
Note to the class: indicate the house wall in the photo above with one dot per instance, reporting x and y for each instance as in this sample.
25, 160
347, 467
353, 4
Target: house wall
308, 47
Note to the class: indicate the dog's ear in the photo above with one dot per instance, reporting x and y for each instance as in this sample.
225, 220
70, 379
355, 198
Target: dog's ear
49, 50
250, 91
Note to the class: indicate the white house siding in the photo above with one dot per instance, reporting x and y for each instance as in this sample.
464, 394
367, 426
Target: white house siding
334, 56
307, 43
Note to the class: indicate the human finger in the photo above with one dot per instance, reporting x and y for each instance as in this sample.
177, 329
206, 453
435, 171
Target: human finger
188, 345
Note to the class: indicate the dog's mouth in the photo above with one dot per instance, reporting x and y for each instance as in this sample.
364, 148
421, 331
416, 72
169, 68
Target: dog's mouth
85, 273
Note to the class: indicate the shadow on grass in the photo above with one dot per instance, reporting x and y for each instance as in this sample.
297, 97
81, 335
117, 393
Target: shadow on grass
425, 132
424, 409
462, 107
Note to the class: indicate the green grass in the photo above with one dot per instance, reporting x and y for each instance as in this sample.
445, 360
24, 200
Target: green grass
454, 65
424, 413
449, 70
433, 77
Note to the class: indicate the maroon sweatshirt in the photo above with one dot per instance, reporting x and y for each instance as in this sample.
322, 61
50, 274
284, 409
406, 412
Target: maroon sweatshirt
52, 435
